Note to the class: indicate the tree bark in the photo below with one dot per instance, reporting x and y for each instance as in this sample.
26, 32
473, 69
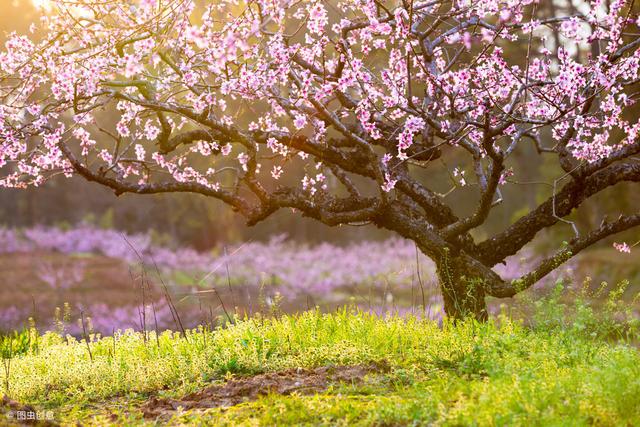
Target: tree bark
464, 280
462, 287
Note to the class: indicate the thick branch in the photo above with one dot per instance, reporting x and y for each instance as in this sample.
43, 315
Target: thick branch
571, 196
326, 209
432, 244
576, 245
483, 209
121, 187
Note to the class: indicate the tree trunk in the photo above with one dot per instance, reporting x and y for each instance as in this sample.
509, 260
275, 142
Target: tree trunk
462, 288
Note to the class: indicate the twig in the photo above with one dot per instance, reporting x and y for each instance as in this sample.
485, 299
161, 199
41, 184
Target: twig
167, 296
85, 336
6, 362
224, 308
155, 323
424, 302
226, 265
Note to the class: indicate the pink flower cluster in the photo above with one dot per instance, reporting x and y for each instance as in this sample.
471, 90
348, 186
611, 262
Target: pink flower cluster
622, 247
291, 268
284, 61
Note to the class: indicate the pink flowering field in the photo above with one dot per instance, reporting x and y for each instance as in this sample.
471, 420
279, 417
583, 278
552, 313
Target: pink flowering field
101, 272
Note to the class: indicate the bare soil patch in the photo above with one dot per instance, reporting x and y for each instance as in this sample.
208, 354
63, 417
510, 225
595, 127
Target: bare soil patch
235, 391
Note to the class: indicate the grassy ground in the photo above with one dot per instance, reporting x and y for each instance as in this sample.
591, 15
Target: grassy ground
575, 370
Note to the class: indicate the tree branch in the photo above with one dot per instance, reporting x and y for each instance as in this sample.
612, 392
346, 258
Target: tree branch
572, 248
571, 196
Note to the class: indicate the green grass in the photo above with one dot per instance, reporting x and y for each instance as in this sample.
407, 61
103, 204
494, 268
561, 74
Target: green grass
499, 373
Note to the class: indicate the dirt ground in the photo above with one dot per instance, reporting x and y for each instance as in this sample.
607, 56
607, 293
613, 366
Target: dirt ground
108, 290
235, 391
34, 284
23, 278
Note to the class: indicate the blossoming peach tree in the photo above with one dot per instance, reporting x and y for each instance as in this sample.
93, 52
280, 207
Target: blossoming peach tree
337, 110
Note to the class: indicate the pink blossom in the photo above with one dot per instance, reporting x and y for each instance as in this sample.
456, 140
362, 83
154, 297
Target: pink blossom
389, 183
276, 172
622, 247
140, 152
132, 66
300, 121
151, 131
318, 18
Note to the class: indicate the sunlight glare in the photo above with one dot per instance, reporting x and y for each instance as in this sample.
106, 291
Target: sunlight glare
42, 4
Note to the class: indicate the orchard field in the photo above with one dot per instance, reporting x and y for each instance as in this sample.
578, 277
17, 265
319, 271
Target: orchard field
97, 340
111, 277
342, 368
319, 212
